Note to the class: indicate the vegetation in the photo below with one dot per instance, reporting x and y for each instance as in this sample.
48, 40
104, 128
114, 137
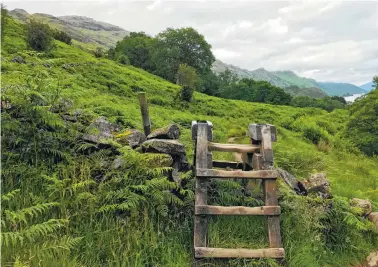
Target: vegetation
62, 36
64, 205
39, 36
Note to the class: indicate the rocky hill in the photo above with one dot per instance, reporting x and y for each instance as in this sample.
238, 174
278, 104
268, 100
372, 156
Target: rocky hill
83, 29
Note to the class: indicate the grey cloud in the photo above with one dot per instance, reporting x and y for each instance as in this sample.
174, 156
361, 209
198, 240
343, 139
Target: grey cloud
324, 40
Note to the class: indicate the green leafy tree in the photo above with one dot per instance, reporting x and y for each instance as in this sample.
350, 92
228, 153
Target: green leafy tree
124, 60
181, 46
39, 36
138, 48
111, 54
209, 84
186, 75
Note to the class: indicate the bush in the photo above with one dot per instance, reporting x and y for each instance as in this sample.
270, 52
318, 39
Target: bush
39, 36
124, 60
99, 52
186, 93
62, 36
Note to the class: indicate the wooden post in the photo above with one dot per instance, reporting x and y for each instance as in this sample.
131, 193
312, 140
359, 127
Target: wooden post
145, 114
201, 132
264, 134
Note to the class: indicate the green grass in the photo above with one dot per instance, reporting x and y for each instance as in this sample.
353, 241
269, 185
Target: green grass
309, 140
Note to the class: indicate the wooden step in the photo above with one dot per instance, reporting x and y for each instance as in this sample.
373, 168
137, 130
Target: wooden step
237, 210
232, 147
261, 174
227, 164
205, 252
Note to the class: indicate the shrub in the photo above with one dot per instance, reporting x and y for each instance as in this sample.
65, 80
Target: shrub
99, 52
62, 36
186, 93
123, 59
39, 36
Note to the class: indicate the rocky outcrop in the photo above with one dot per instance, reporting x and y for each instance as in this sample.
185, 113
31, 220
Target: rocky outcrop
318, 184
363, 205
172, 131
101, 131
373, 217
19, 59
132, 138
167, 146
291, 181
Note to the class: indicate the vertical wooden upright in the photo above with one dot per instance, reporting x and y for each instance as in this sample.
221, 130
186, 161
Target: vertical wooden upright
202, 133
261, 134
145, 113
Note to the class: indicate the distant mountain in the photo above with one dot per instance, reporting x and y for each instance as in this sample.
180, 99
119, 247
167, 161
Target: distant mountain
287, 79
340, 89
367, 86
83, 29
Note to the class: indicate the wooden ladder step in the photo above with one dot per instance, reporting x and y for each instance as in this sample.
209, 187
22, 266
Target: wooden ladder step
261, 174
232, 147
206, 252
237, 210
227, 164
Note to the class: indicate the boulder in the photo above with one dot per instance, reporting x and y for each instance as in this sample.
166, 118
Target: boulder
19, 59
291, 181
172, 147
101, 131
63, 105
172, 131
363, 205
132, 138
318, 184
373, 217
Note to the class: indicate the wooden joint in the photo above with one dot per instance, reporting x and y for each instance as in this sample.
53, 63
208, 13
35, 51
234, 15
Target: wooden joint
255, 132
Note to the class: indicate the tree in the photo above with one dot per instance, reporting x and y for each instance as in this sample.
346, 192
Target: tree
181, 46
138, 48
123, 59
62, 36
209, 84
375, 82
111, 54
99, 52
39, 36
186, 75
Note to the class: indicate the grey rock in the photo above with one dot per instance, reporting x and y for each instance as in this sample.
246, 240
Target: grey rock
291, 181
132, 138
318, 184
63, 105
103, 131
19, 59
117, 163
363, 204
172, 131
167, 146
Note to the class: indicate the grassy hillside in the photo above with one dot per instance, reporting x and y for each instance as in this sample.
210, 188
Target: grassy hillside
90, 32
315, 232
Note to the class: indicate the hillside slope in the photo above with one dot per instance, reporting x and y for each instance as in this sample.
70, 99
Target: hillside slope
309, 140
83, 29
367, 86
340, 89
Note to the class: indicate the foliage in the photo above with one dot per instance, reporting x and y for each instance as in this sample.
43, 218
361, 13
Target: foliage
186, 76
363, 124
39, 36
181, 46
124, 60
137, 46
326, 103
4, 16
62, 36
99, 52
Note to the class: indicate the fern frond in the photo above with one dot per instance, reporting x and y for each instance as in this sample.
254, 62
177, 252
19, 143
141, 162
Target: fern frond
10, 195
28, 213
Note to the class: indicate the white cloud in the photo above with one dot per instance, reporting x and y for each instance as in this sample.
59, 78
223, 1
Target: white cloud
224, 54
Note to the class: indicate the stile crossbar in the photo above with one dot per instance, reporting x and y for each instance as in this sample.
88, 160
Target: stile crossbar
257, 165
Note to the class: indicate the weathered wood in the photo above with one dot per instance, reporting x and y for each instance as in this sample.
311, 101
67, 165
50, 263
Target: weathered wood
202, 157
257, 161
203, 252
195, 129
233, 147
255, 130
144, 111
270, 188
227, 164
261, 174
237, 210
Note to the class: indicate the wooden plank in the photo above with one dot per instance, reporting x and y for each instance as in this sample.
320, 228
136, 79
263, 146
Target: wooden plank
203, 252
233, 147
255, 130
237, 210
270, 188
257, 164
261, 174
227, 164
144, 111
200, 222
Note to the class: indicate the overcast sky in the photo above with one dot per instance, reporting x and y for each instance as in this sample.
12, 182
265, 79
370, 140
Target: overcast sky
328, 41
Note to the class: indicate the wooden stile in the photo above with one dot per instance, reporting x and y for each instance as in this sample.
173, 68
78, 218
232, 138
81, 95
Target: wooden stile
257, 165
